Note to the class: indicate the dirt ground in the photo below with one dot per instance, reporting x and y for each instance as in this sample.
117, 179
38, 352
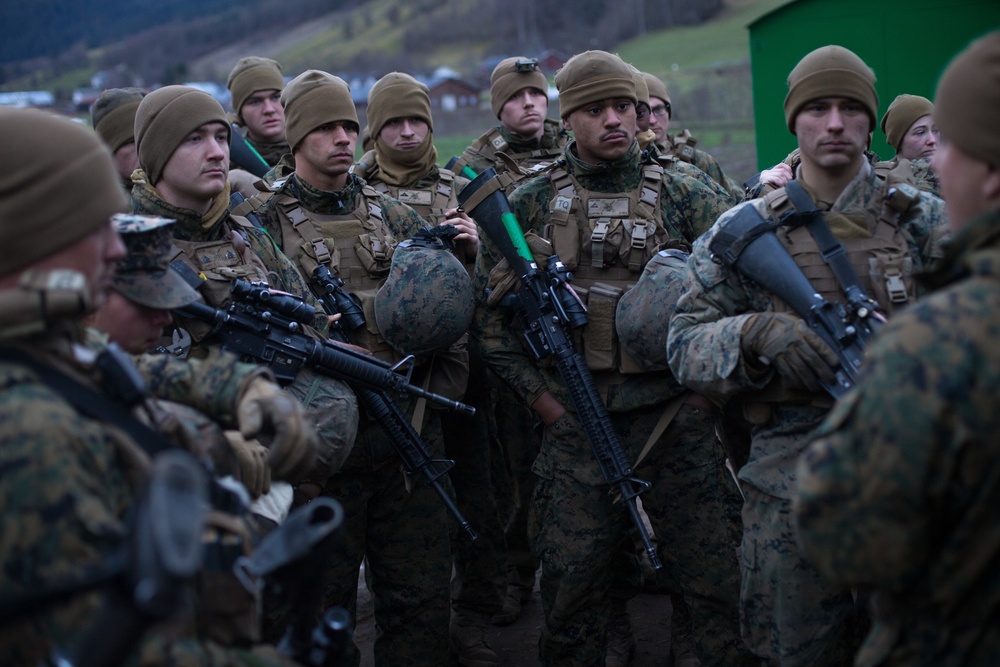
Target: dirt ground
517, 644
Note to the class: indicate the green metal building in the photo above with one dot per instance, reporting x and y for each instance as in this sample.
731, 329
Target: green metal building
907, 42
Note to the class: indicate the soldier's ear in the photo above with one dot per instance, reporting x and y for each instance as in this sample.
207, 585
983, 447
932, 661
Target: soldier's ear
567, 125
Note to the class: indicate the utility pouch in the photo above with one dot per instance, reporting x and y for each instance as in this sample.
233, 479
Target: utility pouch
600, 342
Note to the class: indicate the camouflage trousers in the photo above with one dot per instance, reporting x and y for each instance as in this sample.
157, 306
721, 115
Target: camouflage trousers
403, 538
477, 585
790, 614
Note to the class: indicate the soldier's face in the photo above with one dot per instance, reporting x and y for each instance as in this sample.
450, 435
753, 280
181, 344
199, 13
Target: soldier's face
832, 133
136, 328
197, 170
264, 116
326, 154
921, 140
659, 119
969, 186
524, 113
604, 131
404, 134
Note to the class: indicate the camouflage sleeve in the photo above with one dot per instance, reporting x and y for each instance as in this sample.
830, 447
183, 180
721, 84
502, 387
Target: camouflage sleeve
927, 224
689, 207
402, 220
880, 469
711, 166
703, 343
499, 341
211, 385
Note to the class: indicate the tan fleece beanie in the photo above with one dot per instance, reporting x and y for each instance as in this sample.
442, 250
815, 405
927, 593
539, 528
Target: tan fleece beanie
830, 71
904, 111
509, 76
657, 89
593, 76
968, 97
165, 118
250, 75
58, 184
113, 115
397, 95
315, 98
641, 89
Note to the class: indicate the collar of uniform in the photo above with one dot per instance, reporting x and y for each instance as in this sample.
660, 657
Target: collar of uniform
553, 137
326, 203
191, 225
622, 175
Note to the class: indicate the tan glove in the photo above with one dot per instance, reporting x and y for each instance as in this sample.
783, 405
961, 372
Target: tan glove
275, 417
251, 459
786, 343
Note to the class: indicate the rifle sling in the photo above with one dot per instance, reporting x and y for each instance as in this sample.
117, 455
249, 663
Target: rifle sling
831, 250
91, 403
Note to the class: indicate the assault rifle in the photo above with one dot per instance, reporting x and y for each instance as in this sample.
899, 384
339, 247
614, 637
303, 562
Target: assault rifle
146, 579
408, 443
748, 243
291, 560
266, 326
551, 309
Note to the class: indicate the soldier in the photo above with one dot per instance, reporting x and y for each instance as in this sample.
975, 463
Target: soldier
897, 492
113, 118
519, 99
71, 473
403, 165
681, 144
182, 136
256, 84
910, 128
574, 524
736, 341
323, 215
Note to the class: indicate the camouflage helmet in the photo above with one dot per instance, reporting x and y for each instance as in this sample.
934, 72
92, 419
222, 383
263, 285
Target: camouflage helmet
644, 311
426, 302
145, 276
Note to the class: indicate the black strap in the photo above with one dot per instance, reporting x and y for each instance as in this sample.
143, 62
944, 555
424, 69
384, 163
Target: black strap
830, 249
90, 402
732, 238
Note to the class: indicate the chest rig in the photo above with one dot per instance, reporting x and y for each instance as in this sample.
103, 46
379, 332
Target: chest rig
605, 239
682, 147
531, 163
357, 246
217, 264
430, 203
882, 261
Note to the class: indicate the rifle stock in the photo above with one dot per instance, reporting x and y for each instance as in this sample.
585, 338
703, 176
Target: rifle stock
551, 309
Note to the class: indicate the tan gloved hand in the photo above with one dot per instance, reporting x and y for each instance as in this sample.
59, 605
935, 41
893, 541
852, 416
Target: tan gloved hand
786, 343
251, 459
275, 417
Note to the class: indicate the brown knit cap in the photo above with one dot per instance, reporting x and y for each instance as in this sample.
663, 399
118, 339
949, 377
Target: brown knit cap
315, 98
165, 117
657, 89
830, 71
507, 79
58, 184
397, 95
113, 115
904, 111
251, 74
967, 99
641, 89
593, 76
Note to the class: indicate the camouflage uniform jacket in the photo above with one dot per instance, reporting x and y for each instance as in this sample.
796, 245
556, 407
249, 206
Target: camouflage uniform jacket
68, 480
703, 160
705, 332
898, 491
530, 154
686, 207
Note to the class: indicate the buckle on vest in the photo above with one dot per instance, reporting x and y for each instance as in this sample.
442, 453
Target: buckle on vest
601, 228
380, 251
322, 252
896, 288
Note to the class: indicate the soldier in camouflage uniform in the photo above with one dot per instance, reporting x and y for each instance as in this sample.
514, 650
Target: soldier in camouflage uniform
69, 476
898, 491
321, 214
682, 144
574, 524
255, 85
182, 136
403, 165
734, 340
113, 118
